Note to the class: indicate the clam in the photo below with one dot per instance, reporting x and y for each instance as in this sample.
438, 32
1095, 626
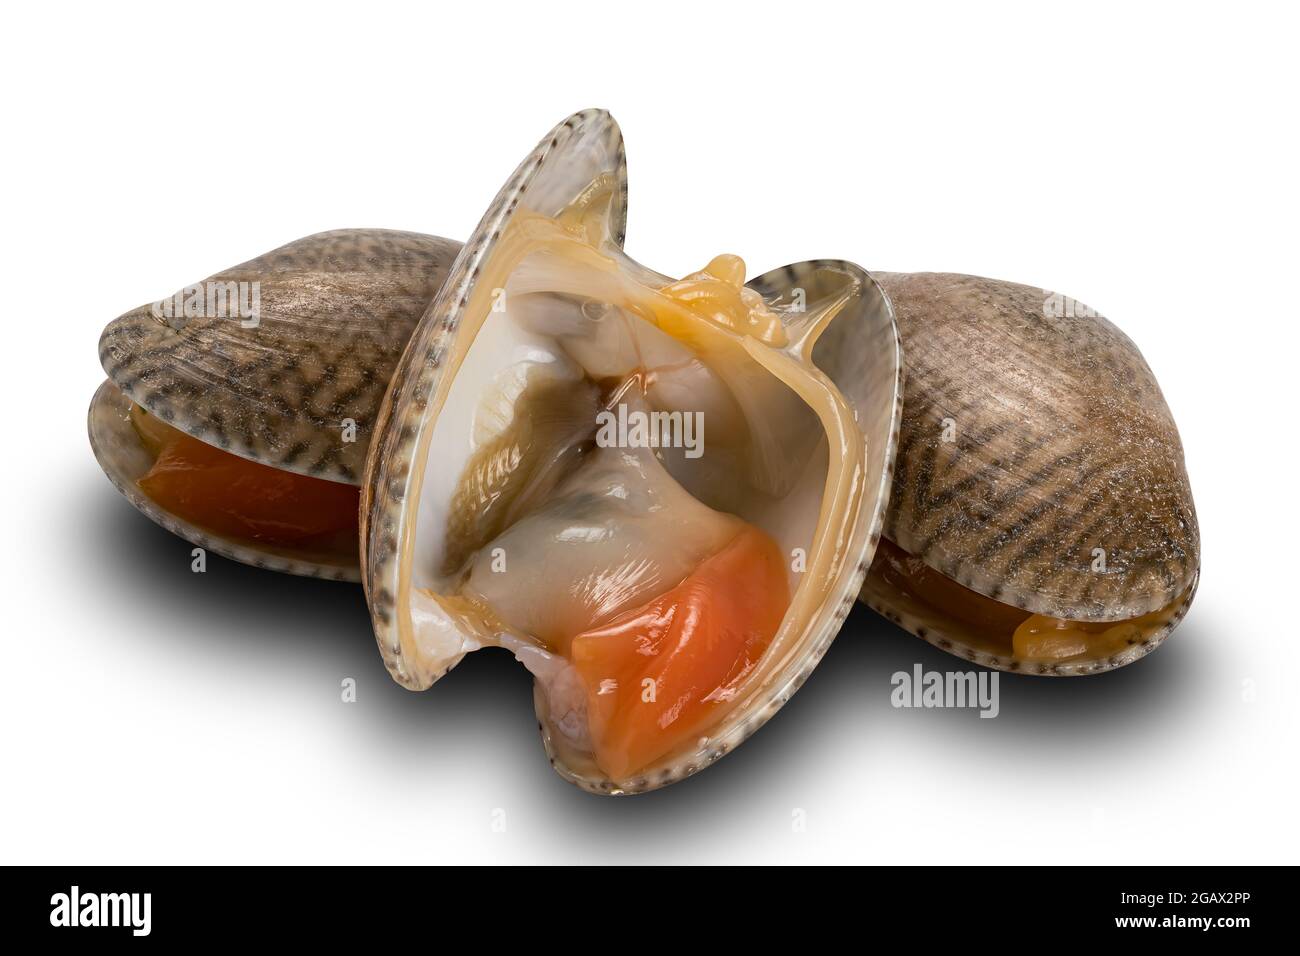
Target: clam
660, 496
1041, 518
237, 413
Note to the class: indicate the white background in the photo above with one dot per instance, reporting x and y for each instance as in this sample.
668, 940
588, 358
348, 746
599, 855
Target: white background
1142, 159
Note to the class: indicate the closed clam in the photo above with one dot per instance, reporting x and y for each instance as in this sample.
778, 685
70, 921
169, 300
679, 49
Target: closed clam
244, 429
534, 484
1041, 518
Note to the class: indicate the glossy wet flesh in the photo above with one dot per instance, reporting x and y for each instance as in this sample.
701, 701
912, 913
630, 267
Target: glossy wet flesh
1025, 636
244, 500
661, 654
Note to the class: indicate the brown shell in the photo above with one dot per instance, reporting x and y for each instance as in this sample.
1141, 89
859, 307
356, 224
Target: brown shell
1033, 433
336, 310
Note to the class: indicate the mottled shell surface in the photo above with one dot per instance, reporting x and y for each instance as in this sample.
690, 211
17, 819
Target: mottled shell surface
1035, 439
336, 310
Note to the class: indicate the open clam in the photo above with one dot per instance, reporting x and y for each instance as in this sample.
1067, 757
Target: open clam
1041, 518
237, 413
661, 496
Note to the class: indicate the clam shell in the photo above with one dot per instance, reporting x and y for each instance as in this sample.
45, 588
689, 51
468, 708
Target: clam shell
573, 153
863, 359
1060, 443
336, 310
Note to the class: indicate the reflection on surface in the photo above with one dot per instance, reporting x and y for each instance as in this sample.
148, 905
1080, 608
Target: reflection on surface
846, 700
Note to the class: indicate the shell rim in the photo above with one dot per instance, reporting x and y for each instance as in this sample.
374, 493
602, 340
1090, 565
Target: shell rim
242, 552
934, 635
